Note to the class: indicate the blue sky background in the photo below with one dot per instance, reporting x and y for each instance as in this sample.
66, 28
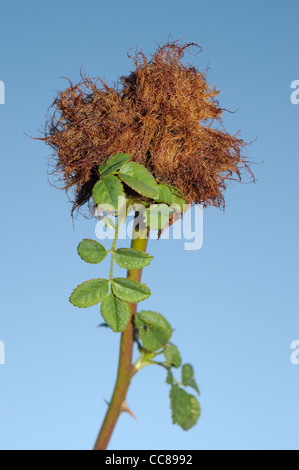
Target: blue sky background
234, 303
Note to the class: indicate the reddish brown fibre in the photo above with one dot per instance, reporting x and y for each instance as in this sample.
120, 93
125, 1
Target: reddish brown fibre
164, 116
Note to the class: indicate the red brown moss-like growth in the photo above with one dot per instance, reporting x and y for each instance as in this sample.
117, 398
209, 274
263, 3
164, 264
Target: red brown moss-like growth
164, 116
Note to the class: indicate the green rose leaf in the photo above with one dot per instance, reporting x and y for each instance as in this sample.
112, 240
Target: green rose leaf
109, 223
91, 251
90, 293
178, 201
178, 197
169, 378
107, 191
114, 163
165, 194
158, 216
102, 167
132, 259
172, 356
130, 291
176, 191
188, 377
155, 331
138, 178
185, 408
115, 313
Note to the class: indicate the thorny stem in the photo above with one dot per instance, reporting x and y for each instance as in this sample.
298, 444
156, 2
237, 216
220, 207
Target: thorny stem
125, 367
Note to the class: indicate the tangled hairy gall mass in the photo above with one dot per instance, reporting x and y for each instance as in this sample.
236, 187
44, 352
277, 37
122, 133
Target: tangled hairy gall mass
164, 116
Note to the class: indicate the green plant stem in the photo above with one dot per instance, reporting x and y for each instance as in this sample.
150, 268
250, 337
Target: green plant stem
125, 367
113, 249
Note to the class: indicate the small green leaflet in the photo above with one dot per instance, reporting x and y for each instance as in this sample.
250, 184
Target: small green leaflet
109, 223
107, 191
114, 163
178, 198
115, 313
176, 191
165, 194
90, 293
158, 216
185, 408
91, 251
172, 356
138, 178
169, 378
132, 259
101, 167
188, 377
178, 202
130, 291
155, 331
